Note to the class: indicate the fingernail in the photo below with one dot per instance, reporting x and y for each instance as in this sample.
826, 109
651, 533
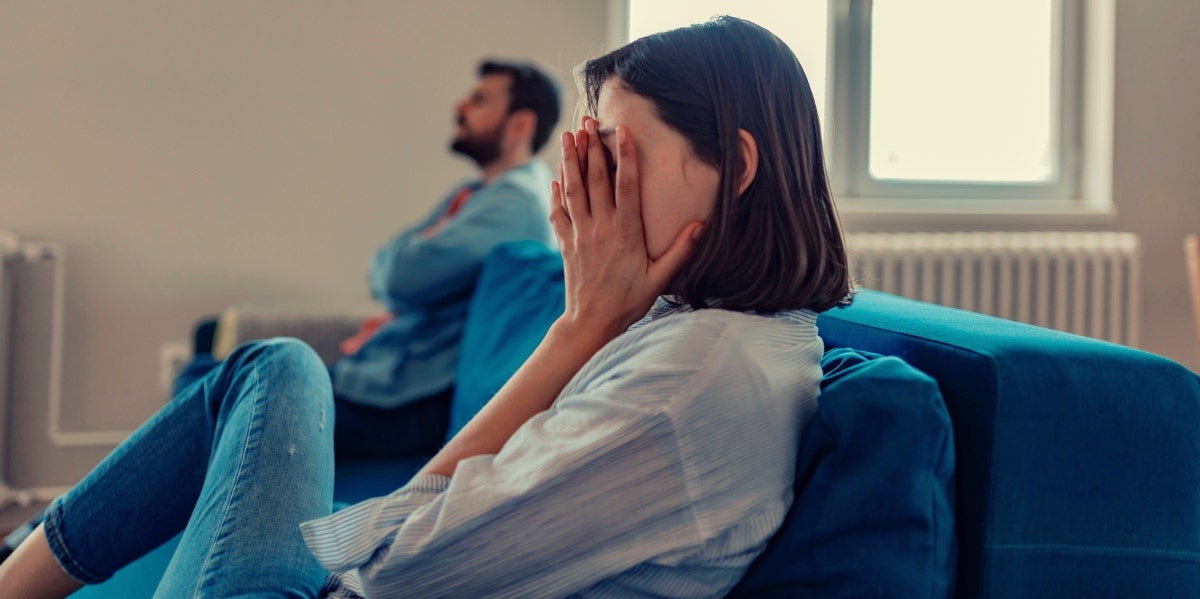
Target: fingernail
566, 138
590, 125
621, 135
697, 232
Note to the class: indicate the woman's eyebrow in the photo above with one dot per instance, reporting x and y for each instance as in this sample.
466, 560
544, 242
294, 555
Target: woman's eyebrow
606, 133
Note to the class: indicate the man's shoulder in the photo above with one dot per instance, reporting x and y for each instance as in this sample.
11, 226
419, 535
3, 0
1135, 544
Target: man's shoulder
531, 179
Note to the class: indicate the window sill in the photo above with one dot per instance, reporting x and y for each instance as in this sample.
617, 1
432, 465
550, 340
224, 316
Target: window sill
857, 213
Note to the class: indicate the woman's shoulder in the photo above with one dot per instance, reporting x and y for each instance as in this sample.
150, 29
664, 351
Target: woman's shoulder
683, 346
680, 325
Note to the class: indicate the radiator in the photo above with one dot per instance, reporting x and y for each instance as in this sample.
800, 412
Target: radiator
17, 257
1079, 282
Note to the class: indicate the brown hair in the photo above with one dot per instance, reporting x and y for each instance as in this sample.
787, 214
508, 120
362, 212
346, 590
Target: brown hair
777, 246
530, 89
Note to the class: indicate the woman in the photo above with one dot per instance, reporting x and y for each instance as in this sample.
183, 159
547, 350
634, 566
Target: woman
645, 448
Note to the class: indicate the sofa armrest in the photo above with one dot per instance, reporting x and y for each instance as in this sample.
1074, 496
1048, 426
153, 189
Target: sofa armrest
322, 325
1075, 458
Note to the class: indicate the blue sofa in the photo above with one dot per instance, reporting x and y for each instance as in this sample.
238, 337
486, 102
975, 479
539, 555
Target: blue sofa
953, 454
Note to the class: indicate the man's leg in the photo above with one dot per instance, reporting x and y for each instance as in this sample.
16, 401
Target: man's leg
414, 429
240, 460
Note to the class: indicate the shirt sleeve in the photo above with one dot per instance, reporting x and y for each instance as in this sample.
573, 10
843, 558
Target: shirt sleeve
414, 270
576, 496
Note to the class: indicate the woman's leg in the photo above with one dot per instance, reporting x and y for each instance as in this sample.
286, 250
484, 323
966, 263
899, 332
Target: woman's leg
31, 572
240, 460
271, 468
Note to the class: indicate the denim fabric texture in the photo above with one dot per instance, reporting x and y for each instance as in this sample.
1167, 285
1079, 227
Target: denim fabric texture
427, 281
240, 459
413, 430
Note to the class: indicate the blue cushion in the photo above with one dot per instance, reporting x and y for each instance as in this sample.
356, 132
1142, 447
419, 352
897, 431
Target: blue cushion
359, 480
519, 295
874, 508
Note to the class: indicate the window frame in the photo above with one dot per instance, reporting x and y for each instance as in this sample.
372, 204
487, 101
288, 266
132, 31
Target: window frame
850, 23
1082, 194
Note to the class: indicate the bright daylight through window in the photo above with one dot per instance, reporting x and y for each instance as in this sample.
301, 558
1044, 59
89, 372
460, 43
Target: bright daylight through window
928, 98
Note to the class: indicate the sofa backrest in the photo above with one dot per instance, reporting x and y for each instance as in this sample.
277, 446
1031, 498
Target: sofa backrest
1077, 459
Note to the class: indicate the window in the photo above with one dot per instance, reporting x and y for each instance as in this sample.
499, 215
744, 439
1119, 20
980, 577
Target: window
802, 25
966, 103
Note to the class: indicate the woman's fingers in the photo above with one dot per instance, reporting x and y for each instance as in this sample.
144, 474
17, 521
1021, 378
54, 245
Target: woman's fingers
581, 151
559, 220
627, 196
599, 174
573, 188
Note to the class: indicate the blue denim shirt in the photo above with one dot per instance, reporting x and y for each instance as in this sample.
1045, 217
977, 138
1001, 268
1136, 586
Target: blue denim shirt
427, 282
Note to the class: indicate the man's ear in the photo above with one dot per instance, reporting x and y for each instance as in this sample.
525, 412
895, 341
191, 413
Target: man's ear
522, 124
747, 160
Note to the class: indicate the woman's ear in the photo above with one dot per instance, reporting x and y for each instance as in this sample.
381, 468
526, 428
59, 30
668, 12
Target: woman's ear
747, 160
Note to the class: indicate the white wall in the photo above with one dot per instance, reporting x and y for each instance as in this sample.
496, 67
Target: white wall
195, 154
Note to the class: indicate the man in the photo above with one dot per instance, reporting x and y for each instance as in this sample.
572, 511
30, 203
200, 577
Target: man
393, 387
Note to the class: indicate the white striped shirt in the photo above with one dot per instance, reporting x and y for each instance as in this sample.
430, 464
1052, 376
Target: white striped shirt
661, 470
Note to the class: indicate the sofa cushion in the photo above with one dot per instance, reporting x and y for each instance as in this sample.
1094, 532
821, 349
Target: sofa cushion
519, 295
874, 508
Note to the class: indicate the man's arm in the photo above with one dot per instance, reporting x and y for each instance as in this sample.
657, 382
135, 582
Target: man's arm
418, 270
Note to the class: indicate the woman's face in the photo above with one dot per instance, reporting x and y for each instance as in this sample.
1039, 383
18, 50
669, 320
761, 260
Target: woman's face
677, 188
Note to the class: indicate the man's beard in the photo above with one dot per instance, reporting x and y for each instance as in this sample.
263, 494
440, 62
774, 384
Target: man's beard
484, 149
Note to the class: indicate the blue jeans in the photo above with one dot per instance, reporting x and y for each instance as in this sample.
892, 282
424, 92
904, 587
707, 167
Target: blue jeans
237, 462
416, 428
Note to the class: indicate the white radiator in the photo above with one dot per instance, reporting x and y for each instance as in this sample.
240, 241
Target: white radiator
1079, 282
17, 257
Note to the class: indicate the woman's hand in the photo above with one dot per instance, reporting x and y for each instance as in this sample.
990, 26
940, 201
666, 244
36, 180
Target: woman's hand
610, 283
610, 279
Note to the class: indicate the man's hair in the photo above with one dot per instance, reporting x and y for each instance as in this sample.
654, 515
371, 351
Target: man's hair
531, 89
778, 245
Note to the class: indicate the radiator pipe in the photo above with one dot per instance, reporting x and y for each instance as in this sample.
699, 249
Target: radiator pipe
56, 253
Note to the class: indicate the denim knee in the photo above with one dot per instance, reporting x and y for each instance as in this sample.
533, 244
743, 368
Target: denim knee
289, 367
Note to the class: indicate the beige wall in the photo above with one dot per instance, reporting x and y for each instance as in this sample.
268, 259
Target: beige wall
1156, 177
191, 154
194, 154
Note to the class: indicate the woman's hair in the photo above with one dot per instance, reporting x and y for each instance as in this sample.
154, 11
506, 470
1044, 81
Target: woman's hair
778, 245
